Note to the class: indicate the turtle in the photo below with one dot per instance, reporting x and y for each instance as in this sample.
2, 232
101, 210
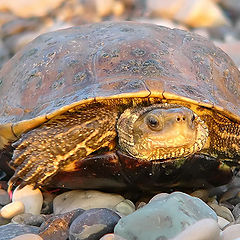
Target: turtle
118, 105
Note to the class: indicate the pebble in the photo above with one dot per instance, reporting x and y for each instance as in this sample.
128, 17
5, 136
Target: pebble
57, 226
71, 200
231, 233
4, 197
222, 211
26, 8
19, 25
11, 230
204, 229
12, 209
192, 13
32, 199
222, 222
203, 194
236, 211
93, 224
233, 6
47, 207
4, 221
103, 8
29, 219
158, 197
165, 217
125, 207
28, 236
111, 236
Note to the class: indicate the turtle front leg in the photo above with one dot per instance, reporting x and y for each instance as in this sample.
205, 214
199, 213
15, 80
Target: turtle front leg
53, 146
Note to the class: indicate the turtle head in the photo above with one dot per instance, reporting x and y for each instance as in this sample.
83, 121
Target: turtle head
161, 131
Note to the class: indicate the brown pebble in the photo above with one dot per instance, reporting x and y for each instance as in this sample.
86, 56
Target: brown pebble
57, 227
222, 212
202, 194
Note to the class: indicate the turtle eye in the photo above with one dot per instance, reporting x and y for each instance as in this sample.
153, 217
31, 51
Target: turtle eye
153, 122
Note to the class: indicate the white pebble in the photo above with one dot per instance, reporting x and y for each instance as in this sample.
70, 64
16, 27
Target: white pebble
222, 222
12, 209
125, 207
204, 229
71, 200
158, 196
32, 199
231, 233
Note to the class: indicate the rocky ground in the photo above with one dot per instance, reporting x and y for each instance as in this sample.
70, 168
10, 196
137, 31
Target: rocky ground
96, 215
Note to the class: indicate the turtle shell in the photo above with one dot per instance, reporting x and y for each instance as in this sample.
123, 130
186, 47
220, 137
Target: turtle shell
74, 66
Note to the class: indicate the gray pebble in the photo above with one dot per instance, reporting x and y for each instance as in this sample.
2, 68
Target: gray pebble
4, 197
11, 230
93, 224
29, 219
57, 226
236, 211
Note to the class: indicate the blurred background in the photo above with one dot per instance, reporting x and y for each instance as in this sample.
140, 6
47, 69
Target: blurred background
23, 20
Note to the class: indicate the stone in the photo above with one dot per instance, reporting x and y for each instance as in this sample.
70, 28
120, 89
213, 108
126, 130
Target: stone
4, 197
158, 196
231, 233
103, 7
12, 209
118, 8
204, 229
222, 211
28, 236
125, 207
47, 207
19, 25
164, 218
6, 17
11, 230
236, 211
71, 200
4, 221
32, 199
222, 33
222, 222
111, 236
29, 219
203, 194
233, 6
26, 8
189, 12
57, 226
93, 224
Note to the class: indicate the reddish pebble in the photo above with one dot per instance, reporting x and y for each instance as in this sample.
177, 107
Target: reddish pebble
111, 236
28, 236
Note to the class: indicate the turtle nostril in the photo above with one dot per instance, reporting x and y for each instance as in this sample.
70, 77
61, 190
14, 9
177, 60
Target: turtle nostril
181, 118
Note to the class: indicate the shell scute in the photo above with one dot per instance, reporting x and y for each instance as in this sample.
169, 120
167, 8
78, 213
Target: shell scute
121, 59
